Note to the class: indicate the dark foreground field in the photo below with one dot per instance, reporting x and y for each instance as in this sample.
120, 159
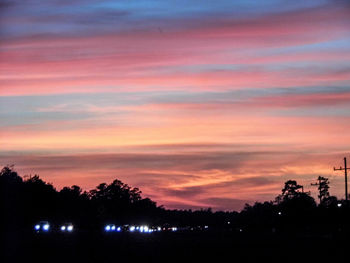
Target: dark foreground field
173, 247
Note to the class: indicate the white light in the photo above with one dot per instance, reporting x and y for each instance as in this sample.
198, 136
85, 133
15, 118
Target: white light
119, 229
279, 213
132, 229
174, 229
46, 227
37, 227
206, 227
63, 228
339, 205
70, 228
113, 228
108, 227
159, 228
145, 228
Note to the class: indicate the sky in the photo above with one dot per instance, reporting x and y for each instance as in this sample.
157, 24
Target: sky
197, 103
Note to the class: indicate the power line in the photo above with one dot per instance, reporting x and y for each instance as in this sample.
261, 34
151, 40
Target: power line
345, 169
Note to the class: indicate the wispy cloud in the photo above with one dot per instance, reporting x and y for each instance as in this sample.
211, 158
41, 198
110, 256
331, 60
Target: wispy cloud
199, 104
174, 179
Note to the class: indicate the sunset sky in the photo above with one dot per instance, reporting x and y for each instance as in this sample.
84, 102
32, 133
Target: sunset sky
198, 103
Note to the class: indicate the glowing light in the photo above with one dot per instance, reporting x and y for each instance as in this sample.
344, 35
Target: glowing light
132, 229
63, 228
339, 204
159, 228
113, 228
279, 213
144, 229
174, 229
108, 228
70, 228
46, 227
119, 229
37, 227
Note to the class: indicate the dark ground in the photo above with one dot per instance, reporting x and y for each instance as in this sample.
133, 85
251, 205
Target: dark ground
215, 246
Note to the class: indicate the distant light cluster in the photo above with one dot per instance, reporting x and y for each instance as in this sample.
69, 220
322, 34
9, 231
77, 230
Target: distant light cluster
44, 226
139, 228
132, 228
67, 227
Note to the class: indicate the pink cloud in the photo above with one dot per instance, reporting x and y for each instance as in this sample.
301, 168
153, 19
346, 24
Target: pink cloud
188, 180
186, 153
150, 60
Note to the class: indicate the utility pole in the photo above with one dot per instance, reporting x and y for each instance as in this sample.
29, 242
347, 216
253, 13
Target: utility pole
317, 184
345, 169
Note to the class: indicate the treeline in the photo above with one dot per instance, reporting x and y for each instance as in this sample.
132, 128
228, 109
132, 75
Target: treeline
23, 202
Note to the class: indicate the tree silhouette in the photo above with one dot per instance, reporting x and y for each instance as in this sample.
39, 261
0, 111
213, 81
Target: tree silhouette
11, 189
25, 202
9, 176
291, 189
323, 188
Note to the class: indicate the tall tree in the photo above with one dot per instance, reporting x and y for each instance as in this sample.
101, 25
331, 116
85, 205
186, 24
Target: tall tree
291, 189
323, 188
